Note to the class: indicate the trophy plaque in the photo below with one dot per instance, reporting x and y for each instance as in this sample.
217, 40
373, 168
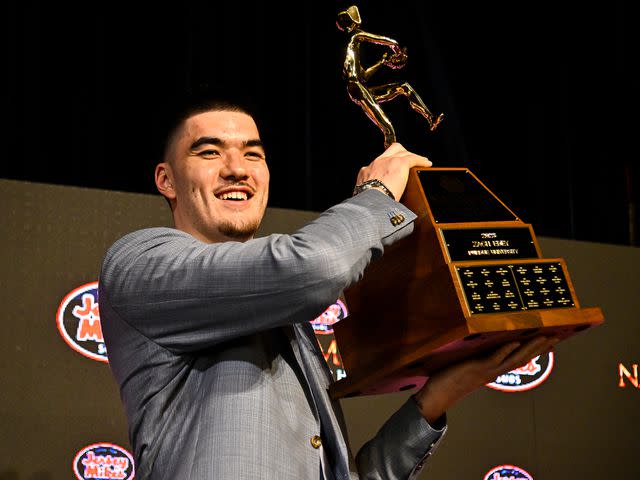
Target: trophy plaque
470, 278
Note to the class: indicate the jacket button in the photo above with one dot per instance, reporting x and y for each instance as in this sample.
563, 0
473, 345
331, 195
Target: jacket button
316, 441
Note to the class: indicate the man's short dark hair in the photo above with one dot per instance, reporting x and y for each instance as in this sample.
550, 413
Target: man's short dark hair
194, 107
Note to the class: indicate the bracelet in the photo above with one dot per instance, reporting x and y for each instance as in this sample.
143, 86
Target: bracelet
370, 184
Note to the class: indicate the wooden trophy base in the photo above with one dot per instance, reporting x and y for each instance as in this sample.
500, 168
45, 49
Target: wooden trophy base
468, 279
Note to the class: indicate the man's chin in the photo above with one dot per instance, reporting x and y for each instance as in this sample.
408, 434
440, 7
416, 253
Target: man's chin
239, 232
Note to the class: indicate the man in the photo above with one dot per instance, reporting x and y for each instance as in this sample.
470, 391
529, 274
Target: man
207, 328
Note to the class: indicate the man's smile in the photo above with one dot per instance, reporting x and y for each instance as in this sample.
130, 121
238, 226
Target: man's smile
235, 194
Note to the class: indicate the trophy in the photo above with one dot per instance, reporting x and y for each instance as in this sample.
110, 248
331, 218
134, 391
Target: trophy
471, 277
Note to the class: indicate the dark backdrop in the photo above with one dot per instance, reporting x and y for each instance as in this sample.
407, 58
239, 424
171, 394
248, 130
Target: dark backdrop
537, 96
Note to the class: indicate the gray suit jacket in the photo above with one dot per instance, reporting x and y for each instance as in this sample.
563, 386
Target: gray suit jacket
219, 370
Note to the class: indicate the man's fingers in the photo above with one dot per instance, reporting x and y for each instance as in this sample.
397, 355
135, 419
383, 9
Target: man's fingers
397, 150
526, 352
503, 352
419, 161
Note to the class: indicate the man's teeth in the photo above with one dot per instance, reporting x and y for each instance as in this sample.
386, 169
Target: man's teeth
234, 196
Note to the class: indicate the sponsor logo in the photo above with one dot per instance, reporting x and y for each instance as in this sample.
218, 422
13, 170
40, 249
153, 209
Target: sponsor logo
332, 356
507, 472
526, 377
103, 461
78, 321
631, 375
323, 325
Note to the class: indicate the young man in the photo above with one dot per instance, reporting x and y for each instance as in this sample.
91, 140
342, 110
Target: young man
207, 328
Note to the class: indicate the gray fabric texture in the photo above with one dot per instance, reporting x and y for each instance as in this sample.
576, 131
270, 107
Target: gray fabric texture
219, 370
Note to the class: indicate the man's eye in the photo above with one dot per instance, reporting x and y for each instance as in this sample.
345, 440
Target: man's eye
255, 155
209, 153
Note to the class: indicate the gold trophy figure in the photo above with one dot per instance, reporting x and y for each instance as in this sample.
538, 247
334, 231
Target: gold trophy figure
370, 97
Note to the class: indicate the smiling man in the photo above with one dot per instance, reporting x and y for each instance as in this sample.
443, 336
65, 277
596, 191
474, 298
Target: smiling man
208, 329
216, 164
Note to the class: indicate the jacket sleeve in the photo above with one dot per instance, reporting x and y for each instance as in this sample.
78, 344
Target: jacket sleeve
186, 295
401, 447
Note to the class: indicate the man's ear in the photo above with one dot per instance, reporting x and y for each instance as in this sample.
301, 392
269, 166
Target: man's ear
164, 180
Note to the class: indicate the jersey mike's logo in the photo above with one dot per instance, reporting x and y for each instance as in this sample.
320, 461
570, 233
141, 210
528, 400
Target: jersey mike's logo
323, 325
526, 377
103, 461
78, 320
507, 472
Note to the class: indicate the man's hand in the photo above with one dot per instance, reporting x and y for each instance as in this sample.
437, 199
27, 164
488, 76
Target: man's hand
450, 385
392, 168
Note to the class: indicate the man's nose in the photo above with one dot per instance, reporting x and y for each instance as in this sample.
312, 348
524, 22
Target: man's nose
234, 165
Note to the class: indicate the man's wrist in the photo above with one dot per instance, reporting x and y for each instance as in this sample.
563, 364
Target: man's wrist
430, 405
373, 184
437, 421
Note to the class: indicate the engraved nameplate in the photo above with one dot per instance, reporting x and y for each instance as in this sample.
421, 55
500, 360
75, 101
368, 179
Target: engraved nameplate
489, 243
516, 287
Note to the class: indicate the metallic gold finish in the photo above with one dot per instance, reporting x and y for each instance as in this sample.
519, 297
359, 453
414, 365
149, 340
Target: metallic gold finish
370, 97
316, 441
508, 287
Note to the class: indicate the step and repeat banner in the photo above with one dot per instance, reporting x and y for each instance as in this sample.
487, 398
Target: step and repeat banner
570, 414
